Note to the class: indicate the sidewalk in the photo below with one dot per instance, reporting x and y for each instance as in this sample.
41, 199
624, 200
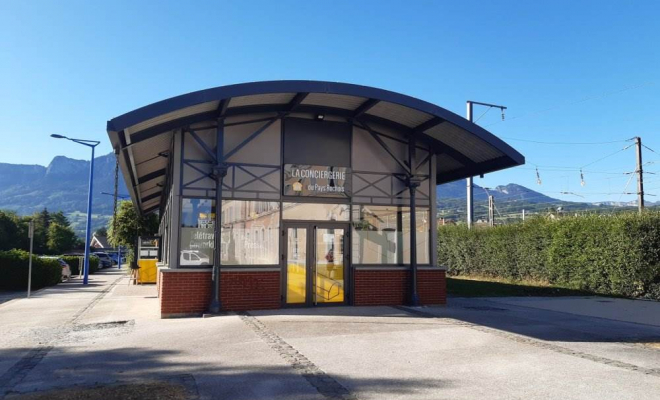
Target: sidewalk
109, 333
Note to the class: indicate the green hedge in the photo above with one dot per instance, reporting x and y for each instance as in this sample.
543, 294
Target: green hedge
74, 263
14, 271
608, 254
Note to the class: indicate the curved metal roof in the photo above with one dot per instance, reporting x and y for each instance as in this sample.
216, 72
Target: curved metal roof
464, 148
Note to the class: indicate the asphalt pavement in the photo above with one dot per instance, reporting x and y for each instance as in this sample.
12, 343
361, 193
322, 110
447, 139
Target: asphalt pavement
110, 333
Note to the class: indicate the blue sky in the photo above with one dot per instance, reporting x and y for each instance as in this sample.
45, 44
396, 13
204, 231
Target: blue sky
586, 71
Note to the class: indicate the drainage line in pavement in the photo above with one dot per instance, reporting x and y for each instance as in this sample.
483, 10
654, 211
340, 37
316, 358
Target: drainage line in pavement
540, 344
326, 385
17, 372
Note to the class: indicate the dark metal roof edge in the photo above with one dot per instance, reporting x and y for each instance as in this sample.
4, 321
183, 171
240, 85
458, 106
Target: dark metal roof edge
296, 86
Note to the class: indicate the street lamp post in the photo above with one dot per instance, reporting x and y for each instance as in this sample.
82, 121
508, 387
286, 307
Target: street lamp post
123, 197
92, 144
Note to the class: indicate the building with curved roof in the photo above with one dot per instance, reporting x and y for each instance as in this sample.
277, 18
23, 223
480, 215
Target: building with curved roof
321, 188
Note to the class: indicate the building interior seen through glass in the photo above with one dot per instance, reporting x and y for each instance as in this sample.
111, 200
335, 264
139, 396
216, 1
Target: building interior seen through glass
250, 232
197, 232
381, 235
315, 212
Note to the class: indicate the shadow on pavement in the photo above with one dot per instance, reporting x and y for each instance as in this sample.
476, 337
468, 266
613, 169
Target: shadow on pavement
63, 368
532, 322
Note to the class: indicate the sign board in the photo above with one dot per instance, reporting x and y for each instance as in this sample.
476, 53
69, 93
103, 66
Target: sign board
316, 181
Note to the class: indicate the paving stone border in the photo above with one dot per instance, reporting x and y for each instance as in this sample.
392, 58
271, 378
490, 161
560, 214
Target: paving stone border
537, 343
17, 372
327, 386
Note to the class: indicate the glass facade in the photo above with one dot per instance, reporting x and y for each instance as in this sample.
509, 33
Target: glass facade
250, 232
197, 240
315, 212
381, 235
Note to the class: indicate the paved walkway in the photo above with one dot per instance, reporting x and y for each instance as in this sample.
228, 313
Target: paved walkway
110, 332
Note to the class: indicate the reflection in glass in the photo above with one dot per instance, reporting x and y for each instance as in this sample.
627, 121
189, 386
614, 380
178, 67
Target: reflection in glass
197, 232
381, 235
315, 212
296, 265
249, 232
329, 274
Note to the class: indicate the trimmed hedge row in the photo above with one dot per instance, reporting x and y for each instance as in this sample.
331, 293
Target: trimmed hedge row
74, 263
607, 254
14, 267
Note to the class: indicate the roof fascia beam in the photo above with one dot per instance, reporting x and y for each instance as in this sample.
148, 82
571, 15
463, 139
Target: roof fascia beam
425, 126
476, 169
364, 107
151, 197
152, 175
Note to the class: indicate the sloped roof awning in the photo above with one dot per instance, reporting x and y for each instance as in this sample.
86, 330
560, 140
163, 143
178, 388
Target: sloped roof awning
143, 136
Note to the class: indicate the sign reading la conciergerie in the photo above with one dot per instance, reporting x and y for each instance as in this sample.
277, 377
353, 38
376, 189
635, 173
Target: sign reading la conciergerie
316, 181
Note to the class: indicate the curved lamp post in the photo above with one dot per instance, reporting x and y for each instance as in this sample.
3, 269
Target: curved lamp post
92, 144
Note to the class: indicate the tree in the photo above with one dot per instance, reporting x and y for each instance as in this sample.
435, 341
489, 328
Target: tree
101, 231
61, 238
59, 218
42, 222
129, 226
9, 231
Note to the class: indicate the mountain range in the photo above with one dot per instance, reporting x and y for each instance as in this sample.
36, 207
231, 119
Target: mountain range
62, 186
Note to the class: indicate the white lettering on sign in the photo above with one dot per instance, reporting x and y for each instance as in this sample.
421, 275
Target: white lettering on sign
325, 188
318, 174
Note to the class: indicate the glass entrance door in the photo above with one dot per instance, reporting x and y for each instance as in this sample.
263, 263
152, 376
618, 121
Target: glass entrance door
316, 259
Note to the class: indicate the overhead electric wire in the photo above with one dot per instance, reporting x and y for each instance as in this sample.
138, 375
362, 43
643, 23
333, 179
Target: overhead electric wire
569, 102
561, 143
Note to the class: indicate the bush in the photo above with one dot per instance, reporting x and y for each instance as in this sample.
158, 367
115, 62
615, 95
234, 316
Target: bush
14, 267
608, 254
74, 263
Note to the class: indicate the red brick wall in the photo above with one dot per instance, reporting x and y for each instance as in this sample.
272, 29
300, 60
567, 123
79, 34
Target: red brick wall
189, 293
240, 291
184, 293
432, 286
382, 287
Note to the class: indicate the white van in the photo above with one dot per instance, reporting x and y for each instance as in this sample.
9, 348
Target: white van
193, 257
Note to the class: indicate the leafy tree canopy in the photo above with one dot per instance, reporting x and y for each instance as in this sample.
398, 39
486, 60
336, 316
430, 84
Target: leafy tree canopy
125, 227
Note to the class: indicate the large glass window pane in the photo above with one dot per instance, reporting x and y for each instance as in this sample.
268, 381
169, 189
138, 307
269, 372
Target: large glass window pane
296, 265
329, 268
381, 235
250, 232
315, 212
197, 232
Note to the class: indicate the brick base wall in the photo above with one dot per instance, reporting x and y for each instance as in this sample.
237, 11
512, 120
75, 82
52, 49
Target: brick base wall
382, 287
184, 294
241, 291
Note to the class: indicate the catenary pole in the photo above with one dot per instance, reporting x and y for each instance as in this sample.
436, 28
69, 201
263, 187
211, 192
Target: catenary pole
640, 175
468, 181
470, 199
31, 236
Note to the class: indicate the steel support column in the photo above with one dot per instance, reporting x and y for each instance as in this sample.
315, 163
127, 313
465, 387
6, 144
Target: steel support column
220, 172
413, 184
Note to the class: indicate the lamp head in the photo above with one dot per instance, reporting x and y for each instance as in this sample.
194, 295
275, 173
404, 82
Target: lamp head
56, 136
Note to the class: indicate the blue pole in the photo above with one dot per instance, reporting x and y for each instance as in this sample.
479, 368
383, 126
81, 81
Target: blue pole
119, 257
88, 231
